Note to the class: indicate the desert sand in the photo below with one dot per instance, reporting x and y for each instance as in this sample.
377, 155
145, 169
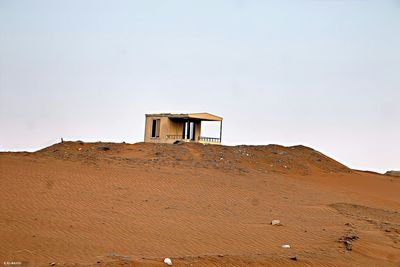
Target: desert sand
108, 204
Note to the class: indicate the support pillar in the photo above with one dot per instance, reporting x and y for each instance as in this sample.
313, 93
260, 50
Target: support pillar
220, 132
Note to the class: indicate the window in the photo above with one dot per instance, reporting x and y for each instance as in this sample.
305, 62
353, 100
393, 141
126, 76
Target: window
155, 128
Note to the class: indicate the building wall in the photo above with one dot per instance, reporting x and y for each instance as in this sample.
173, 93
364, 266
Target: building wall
197, 132
164, 129
176, 127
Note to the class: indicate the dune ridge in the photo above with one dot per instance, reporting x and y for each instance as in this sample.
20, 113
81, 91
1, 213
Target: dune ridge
108, 204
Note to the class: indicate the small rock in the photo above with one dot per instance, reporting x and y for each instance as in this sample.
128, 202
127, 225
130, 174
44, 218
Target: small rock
168, 261
293, 258
52, 263
276, 222
347, 240
103, 148
348, 245
285, 246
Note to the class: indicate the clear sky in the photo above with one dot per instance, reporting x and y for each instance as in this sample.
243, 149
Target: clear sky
325, 74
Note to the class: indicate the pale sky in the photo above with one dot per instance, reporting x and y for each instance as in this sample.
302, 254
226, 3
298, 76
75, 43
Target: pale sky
325, 74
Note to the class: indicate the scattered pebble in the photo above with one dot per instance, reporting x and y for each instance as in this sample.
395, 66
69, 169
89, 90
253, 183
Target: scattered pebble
168, 261
276, 222
285, 246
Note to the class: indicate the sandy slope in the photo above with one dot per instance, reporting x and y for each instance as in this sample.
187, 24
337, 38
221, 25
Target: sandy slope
102, 204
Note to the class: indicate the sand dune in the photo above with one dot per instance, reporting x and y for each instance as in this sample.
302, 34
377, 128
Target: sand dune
107, 204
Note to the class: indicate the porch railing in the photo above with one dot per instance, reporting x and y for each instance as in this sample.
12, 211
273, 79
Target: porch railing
209, 139
200, 139
175, 136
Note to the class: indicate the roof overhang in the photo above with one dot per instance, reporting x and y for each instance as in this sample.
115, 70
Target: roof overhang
204, 116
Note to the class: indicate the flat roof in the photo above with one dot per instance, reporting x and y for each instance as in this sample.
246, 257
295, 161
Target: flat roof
204, 116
